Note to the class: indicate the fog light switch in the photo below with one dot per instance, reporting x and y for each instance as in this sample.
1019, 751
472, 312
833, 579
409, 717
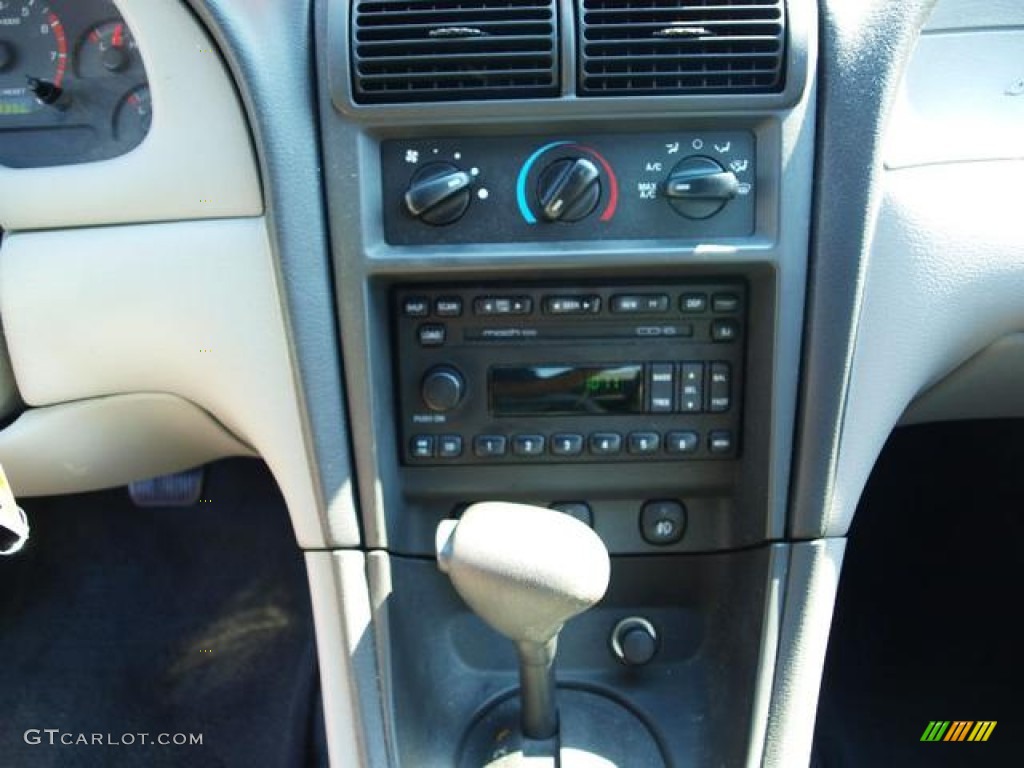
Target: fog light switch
662, 522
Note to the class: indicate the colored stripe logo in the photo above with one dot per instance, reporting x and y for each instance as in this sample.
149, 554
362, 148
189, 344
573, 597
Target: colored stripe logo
958, 730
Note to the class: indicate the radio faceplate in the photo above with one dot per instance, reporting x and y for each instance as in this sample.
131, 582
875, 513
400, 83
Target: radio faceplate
572, 373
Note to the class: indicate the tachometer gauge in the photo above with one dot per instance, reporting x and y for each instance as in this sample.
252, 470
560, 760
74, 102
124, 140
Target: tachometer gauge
107, 49
133, 116
33, 56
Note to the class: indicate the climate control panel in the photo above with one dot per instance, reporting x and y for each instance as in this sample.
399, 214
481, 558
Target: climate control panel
678, 186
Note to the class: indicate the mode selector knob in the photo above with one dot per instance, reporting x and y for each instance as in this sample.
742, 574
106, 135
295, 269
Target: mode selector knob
568, 189
442, 388
698, 187
438, 194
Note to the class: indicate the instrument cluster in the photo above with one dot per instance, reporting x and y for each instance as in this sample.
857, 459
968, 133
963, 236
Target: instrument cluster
73, 86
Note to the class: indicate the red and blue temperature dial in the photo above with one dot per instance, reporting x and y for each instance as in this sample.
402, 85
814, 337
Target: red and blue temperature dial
567, 182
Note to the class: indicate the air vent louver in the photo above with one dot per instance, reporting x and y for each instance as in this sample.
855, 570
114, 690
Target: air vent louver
415, 50
661, 47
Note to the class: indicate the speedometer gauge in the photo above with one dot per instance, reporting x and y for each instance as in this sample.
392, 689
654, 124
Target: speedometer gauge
33, 50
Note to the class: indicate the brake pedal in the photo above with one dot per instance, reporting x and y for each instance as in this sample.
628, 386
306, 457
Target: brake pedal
182, 489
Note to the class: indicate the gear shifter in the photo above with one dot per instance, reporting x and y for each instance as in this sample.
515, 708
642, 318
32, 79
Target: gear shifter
525, 571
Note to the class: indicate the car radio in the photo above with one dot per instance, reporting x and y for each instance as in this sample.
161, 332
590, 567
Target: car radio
520, 373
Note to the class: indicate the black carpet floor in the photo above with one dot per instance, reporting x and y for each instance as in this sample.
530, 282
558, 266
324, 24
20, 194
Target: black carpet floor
117, 621
928, 622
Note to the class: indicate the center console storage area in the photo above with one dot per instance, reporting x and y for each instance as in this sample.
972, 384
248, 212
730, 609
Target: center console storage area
586, 302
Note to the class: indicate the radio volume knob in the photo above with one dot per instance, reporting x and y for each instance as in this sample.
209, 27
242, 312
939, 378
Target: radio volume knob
442, 388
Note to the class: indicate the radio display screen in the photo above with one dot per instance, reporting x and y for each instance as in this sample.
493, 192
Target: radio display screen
550, 390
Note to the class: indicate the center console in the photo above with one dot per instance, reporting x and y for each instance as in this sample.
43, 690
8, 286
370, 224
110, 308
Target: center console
577, 292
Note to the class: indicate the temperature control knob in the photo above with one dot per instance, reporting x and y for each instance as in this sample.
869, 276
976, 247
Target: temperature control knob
569, 189
698, 187
442, 388
438, 194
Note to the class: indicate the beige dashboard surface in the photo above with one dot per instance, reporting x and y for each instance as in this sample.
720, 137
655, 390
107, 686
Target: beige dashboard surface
189, 309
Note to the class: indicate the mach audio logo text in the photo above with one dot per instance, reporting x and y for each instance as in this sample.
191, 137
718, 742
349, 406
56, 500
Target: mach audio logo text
958, 730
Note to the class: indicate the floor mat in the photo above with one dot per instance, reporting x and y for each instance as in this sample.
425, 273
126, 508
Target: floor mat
927, 626
180, 624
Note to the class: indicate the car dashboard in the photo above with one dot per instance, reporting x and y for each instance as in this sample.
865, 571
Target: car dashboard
675, 270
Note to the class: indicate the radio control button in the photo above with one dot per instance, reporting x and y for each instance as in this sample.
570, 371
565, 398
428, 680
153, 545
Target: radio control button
644, 443
572, 305
449, 446
605, 443
416, 306
528, 445
639, 304
693, 303
489, 446
662, 522
442, 388
725, 303
724, 330
422, 447
503, 305
720, 441
566, 445
448, 306
661, 387
432, 335
691, 387
719, 388
682, 442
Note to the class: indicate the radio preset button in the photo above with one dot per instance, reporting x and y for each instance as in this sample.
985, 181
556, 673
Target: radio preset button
605, 443
572, 305
720, 441
503, 305
489, 446
720, 388
448, 306
693, 303
416, 306
528, 445
725, 303
566, 445
724, 330
432, 335
661, 388
682, 442
644, 443
422, 446
691, 387
639, 304
449, 446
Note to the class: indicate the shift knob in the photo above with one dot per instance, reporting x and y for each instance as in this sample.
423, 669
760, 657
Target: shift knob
525, 571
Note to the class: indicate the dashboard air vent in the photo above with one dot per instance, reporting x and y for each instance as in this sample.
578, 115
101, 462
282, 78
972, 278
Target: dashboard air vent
660, 47
417, 50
